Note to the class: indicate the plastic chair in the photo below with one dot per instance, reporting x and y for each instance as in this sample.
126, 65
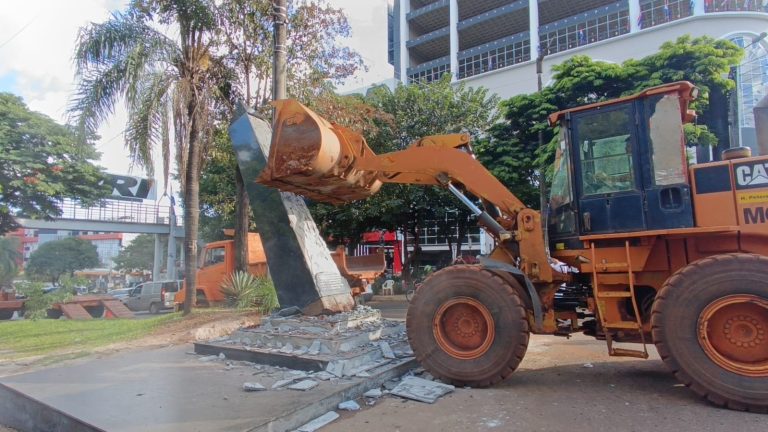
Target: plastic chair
388, 288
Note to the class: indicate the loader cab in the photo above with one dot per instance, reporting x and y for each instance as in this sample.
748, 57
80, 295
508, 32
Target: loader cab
621, 167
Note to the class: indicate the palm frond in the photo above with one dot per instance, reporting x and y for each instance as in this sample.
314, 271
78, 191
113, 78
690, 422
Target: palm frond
148, 109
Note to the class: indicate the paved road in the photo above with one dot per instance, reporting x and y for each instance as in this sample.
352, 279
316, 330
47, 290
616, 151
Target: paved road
561, 385
390, 309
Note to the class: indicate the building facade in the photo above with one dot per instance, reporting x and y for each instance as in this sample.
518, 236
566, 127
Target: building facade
495, 43
108, 245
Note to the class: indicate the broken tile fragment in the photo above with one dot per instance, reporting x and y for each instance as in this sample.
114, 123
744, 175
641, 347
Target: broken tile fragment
252, 387
319, 422
421, 390
304, 385
349, 405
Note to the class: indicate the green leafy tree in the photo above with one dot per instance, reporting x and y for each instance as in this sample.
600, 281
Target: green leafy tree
420, 110
390, 121
165, 82
9, 256
139, 254
43, 163
316, 58
511, 151
61, 257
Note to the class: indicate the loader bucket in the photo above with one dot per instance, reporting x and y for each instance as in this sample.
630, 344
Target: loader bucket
311, 157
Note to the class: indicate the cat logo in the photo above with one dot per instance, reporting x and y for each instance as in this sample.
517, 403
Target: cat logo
753, 175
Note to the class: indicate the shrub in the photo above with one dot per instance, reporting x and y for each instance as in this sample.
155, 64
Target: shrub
38, 302
242, 290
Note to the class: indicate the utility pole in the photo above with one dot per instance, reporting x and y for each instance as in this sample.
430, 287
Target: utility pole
542, 180
280, 17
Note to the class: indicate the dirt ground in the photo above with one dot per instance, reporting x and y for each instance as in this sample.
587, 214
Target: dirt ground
561, 385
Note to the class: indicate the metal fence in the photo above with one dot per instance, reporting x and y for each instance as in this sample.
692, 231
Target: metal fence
118, 211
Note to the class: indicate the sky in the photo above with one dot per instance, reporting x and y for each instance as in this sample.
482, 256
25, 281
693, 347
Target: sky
37, 39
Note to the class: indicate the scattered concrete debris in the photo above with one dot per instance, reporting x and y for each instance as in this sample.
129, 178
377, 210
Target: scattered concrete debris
421, 390
322, 375
222, 356
304, 385
319, 422
389, 385
386, 350
287, 348
349, 405
208, 358
253, 387
588, 365
373, 393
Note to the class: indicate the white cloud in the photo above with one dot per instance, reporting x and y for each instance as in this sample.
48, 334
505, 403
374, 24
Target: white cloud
36, 63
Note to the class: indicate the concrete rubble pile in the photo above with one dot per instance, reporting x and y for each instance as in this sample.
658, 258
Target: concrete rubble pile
346, 348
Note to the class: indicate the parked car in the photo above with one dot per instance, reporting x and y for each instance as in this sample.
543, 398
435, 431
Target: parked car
152, 296
120, 294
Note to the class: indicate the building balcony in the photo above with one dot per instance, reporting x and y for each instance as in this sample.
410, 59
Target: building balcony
551, 11
492, 25
430, 46
494, 55
471, 8
588, 27
711, 6
655, 12
429, 71
430, 17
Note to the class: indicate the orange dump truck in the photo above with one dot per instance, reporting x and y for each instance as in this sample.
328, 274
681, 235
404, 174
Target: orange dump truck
218, 262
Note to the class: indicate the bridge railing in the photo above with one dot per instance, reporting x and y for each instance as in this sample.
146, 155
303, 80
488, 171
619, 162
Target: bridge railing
119, 211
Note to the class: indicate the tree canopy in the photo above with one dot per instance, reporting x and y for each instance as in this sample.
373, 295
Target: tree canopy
9, 256
390, 121
56, 258
317, 60
138, 254
43, 163
511, 151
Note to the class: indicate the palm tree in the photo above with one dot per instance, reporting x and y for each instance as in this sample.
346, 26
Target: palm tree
9, 256
168, 85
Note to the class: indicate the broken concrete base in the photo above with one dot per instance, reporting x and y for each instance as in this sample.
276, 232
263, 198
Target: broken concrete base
174, 391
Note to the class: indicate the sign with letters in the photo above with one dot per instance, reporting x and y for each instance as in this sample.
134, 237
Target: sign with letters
751, 175
132, 188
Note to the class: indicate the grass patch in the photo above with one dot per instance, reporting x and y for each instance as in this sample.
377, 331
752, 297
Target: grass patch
27, 338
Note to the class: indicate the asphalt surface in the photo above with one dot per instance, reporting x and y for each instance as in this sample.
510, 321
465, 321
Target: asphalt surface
561, 385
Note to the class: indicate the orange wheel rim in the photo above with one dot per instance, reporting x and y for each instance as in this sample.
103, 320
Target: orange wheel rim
733, 331
464, 328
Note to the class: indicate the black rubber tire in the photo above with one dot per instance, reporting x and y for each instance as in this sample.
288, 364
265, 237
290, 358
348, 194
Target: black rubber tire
95, 311
154, 308
674, 320
504, 305
6, 314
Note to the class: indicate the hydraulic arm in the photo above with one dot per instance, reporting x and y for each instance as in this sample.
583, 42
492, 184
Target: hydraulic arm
329, 163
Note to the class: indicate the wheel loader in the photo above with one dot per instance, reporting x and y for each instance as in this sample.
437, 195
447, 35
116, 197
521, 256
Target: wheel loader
636, 246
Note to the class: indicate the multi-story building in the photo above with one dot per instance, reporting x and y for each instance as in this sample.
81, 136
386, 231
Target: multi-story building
108, 245
495, 43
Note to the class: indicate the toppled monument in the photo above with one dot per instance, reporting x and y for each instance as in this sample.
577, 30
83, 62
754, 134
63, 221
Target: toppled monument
299, 261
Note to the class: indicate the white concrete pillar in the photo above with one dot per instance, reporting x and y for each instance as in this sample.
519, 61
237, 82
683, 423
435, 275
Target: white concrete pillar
157, 264
634, 16
171, 254
533, 26
698, 7
453, 23
405, 7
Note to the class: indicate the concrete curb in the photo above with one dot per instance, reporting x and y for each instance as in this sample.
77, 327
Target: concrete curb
294, 419
26, 414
